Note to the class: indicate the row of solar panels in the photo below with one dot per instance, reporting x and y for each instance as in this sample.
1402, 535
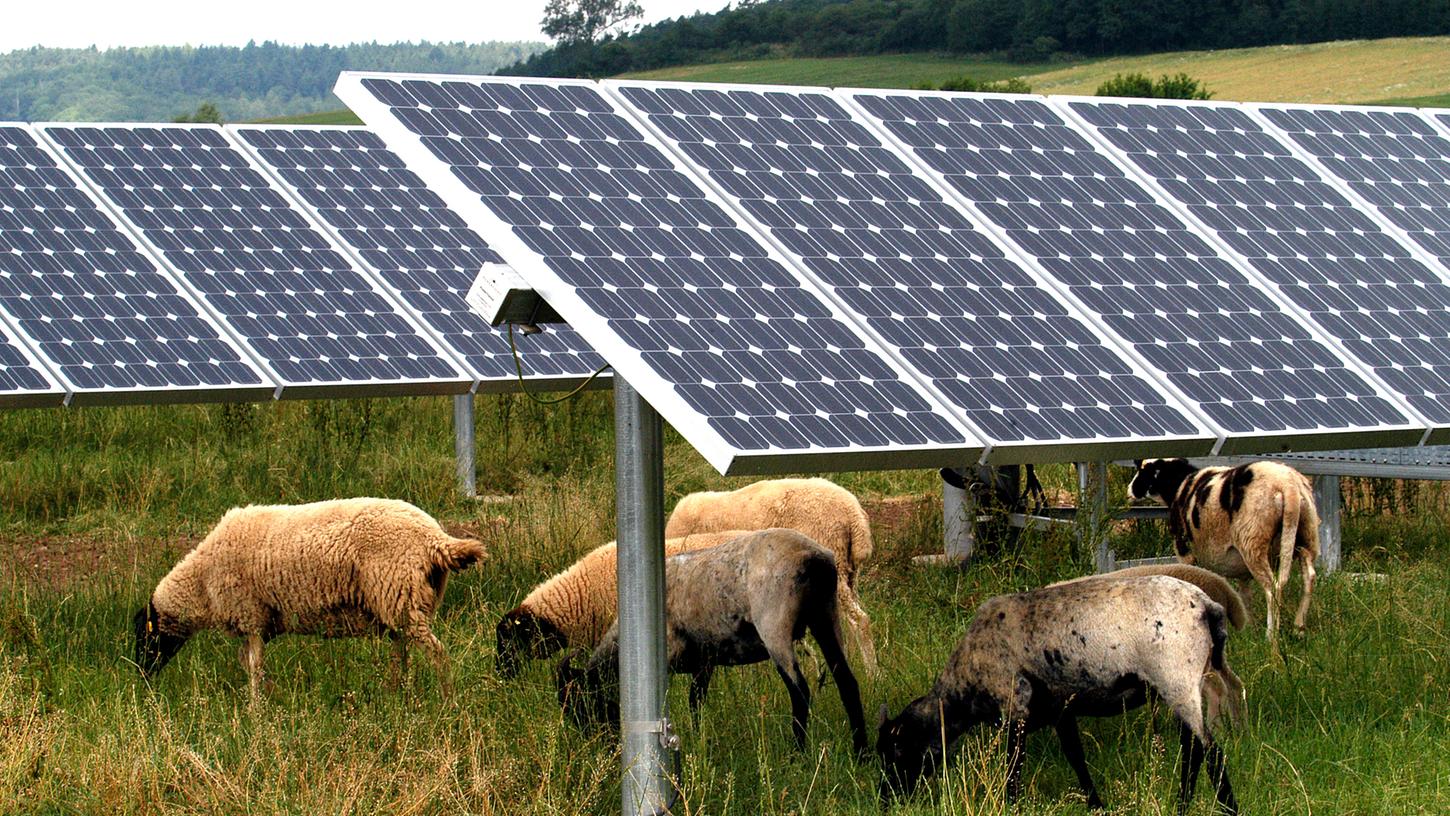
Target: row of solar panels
803, 278
143, 263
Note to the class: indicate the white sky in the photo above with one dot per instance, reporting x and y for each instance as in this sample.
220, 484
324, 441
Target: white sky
110, 23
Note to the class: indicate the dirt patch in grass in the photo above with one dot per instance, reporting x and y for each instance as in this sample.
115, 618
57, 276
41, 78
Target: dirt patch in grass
61, 562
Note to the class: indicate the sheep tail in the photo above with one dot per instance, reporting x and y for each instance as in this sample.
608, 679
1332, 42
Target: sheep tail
1290, 527
860, 547
1216, 619
458, 553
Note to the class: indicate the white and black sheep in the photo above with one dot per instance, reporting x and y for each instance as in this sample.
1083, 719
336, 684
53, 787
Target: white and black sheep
576, 606
1046, 657
742, 602
821, 509
1240, 522
1230, 688
334, 568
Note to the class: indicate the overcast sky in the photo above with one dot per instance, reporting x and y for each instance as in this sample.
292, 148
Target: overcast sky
110, 23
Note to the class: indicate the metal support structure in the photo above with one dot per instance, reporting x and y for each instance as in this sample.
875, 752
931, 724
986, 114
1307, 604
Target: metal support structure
648, 743
463, 444
959, 522
1092, 492
1327, 499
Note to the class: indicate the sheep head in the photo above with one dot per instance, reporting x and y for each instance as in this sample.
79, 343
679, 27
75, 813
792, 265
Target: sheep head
909, 747
522, 635
155, 643
1158, 478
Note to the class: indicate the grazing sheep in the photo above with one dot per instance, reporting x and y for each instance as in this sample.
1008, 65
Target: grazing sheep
1239, 522
1043, 658
819, 508
576, 606
1229, 687
333, 568
742, 602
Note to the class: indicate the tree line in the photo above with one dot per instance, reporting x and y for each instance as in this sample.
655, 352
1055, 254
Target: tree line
243, 83
1024, 30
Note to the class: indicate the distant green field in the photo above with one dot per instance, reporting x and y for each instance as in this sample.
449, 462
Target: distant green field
337, 117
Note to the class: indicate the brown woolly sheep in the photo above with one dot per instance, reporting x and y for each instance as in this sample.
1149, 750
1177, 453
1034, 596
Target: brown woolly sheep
1046, 657
1229, 687
576, 606
334, 568
742, 602
821, 509
1240, 522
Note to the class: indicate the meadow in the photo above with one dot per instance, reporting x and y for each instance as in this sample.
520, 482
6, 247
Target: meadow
98, 503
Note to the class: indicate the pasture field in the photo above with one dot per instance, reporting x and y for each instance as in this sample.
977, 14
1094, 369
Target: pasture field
98, 503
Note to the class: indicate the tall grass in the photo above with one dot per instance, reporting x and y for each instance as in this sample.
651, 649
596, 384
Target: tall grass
1353, 719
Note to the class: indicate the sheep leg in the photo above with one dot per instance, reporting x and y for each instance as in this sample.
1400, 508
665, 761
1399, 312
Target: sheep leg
1307, 567
421, 634
860, 625
1218, 771
1190, 758
1265, 578
699, 687
1071, 740
398, 673
1016, 752
251, 659
827, 634
800, 692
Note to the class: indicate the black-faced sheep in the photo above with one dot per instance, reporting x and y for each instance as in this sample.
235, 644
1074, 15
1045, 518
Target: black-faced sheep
1229, 687
821, 509
334, 568
1240, 522
1044, 658
745, 601
576, 606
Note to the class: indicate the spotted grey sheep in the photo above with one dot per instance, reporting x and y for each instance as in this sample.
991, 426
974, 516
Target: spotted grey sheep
1046, 657
1240, 522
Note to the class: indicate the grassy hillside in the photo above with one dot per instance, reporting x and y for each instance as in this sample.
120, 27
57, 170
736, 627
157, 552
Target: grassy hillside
886, 71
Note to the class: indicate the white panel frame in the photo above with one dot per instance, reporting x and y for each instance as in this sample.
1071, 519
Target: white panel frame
77, 396
1415, 432
482, 383
285, 388
998, 451
629, 362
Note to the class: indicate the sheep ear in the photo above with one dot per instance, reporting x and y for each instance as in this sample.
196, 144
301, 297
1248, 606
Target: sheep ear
881, 714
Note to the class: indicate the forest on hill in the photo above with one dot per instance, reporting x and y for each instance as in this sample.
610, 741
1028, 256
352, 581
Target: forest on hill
1022, 30
244, 83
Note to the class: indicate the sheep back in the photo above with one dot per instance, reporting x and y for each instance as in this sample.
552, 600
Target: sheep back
1213, 584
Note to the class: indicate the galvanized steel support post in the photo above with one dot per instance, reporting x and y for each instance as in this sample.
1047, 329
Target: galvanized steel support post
648, 742
1092, 512
959, 521
1326, 498
463, 444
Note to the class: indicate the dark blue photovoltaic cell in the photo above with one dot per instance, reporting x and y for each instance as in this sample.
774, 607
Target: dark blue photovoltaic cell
735, 334
1396, 161
1215, 335
1357, 283
85, 295
420, 247
238, 241
1003, 349
17, 375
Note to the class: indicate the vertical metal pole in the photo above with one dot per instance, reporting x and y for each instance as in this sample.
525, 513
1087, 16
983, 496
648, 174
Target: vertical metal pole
1092, 511
1326, 496
959, 521
643, 678
463, 444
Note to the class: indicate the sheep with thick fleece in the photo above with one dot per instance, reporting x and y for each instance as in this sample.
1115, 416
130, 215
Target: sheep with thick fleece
334, 568
1044, 658
576, 606
821, 509
1228, 685
1240, 522
742, 602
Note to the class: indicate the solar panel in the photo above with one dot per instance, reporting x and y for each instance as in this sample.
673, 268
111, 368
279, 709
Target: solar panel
1353, 282
92, 304
755, 367
1024, 369
320, 325
416, 245
24, 382
1224, 343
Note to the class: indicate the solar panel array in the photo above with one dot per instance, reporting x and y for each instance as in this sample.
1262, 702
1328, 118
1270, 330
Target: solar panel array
930, 285
1348, 275
705, 320
1135, 265
421, 249
318, 323
92, 304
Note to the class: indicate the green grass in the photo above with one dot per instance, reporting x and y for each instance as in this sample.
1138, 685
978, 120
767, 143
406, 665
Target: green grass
1353, 720
1432, 101
883, 71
